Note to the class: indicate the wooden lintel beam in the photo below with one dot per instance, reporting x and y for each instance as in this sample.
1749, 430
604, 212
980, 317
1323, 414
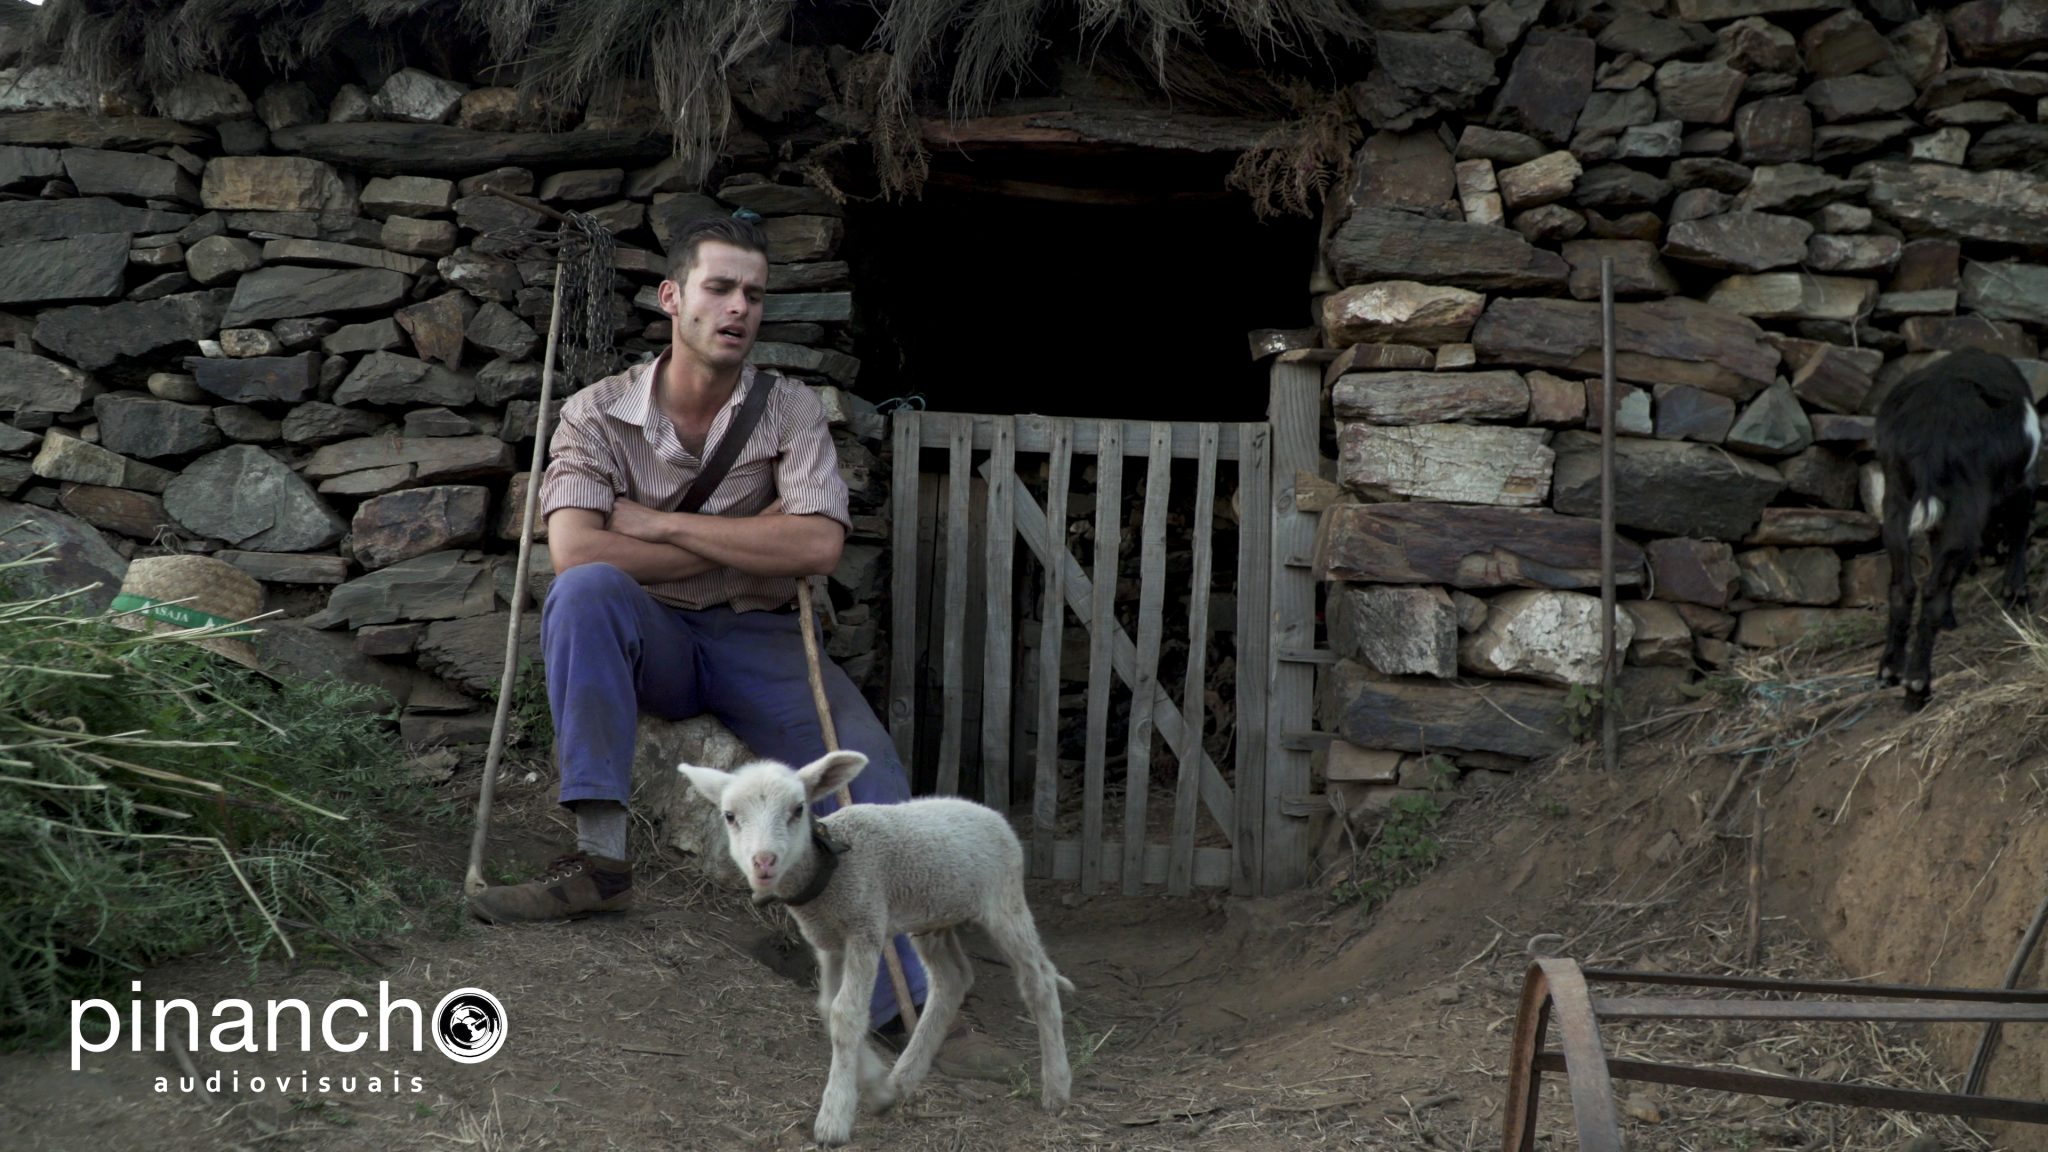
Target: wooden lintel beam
1070, 193
943, 132
1112, 125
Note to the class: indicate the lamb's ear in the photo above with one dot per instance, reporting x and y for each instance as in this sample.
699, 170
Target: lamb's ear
825, 775
709, 782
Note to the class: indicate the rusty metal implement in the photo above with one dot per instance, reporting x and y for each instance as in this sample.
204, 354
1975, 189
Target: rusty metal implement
1555, 987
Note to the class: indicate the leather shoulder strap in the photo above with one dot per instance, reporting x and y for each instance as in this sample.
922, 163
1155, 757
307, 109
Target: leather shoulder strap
736, 436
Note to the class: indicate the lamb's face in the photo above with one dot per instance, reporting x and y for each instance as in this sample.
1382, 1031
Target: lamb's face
767, 823
766, 808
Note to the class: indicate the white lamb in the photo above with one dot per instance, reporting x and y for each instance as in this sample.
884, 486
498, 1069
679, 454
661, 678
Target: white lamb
924, 867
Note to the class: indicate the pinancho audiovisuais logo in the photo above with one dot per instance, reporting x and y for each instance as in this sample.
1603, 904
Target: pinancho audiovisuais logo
469, 1025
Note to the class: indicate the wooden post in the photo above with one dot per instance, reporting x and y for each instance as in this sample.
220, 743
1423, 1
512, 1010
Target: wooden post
1045, 791
1180, 868
1295, 410
1145, 685
953, 674
903, 589
1609, 750
1254, 636
996, 656
1109, 473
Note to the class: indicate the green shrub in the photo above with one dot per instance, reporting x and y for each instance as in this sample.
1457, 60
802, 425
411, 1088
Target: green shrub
158, 801
1400, 853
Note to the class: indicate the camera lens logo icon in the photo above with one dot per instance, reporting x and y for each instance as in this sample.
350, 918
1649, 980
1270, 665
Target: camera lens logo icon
469, 1025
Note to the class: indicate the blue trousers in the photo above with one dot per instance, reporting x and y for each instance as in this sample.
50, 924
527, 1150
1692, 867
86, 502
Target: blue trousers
612, 652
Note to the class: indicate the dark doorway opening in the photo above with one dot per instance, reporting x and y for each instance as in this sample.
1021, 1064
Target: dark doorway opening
1076, 283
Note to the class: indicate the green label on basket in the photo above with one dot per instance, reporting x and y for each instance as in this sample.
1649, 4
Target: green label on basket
179, 614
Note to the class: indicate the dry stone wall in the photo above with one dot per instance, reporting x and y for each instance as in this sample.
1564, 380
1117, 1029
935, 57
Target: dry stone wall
299, 332
1803, 201
286, 327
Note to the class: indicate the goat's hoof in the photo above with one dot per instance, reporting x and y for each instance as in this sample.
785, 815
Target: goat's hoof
893, 1090
1886, 678
1917, 695
1056, 1089
832, 1133
880, 1098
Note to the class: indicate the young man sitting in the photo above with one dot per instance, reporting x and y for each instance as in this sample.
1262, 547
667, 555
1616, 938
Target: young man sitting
679, 613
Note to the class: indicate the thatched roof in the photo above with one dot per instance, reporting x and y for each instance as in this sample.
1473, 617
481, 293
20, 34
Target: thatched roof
915, 56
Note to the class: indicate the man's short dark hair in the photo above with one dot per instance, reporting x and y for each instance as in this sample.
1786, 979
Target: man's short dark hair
734, 230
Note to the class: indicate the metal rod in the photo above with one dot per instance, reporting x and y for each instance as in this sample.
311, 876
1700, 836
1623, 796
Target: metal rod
1817, 1091
1695, 1008
1609, 738
1980, 1065
473, 883
1832, 987
904, 1008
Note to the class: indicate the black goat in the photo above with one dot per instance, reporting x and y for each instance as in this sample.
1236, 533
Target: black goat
1957, 442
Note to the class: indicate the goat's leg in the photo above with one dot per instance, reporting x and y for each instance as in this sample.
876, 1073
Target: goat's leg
1898, 548
946, 988
2014, 520
1039, 983
876, 1094
828, 985
847, 1022
1951, 553
962, 963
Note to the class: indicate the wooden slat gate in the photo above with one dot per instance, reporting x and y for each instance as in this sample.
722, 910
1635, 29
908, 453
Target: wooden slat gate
955, 635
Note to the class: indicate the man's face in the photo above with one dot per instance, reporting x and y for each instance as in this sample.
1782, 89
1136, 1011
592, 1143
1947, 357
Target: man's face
717, 309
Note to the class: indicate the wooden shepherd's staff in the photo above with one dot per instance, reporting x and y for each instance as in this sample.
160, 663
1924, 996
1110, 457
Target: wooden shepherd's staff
904, 1007
508, 676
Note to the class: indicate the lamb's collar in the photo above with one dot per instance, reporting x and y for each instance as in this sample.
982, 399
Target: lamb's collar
827, 850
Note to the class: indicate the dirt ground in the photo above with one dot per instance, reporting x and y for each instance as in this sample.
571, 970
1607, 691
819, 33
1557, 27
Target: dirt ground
1895, 851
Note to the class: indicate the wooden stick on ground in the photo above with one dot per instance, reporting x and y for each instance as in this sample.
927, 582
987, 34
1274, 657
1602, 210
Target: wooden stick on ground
1727, 791
904, 1008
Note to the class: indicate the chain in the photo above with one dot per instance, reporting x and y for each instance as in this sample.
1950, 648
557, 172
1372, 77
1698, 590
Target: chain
587, 274
586, 253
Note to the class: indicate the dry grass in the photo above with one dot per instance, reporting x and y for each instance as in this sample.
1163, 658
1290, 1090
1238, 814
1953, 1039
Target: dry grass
1688, 915
1765, 712
1989, 708
962, 53
1991, 702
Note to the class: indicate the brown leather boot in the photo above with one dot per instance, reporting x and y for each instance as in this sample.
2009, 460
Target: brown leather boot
574, 885
967, 1052
970, 1054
